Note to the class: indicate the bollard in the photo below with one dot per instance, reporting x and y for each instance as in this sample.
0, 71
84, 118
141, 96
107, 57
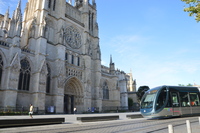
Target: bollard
189, 130
199, 120
170, 129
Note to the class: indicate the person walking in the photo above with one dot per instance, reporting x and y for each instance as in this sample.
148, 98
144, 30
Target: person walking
31, 111
75, 110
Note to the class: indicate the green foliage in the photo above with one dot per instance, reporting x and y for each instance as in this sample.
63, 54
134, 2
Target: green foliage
141, 91
193, 8
130, 102
185, 85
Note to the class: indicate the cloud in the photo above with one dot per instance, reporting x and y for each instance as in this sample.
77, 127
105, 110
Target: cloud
155, 73
125, 44
11, 4
103, 62
2, 6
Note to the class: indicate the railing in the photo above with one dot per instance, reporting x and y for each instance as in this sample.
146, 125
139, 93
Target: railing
111, 109
26, 50
16, 110
73, 13
134, 108
4, 43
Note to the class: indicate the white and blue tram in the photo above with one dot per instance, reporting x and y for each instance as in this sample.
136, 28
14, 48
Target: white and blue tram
170, 101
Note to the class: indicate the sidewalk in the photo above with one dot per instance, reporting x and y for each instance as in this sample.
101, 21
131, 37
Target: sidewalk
72, 118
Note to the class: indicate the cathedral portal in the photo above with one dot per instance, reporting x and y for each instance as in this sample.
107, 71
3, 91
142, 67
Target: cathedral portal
73, 96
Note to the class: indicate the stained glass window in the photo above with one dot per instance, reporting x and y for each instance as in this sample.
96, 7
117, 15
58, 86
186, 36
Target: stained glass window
1, 68
48, 82
24, 77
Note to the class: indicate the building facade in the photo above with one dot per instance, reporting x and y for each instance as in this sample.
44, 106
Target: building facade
52, 57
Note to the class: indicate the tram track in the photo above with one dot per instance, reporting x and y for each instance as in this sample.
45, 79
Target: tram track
117, 126
161, 125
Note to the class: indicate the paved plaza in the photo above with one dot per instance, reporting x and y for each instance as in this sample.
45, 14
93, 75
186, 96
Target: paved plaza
123, 125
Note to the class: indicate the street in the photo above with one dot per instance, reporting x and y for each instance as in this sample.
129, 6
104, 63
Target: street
140, 125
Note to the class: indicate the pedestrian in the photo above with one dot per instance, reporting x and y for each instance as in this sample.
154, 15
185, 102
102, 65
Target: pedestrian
75, 110
31, 111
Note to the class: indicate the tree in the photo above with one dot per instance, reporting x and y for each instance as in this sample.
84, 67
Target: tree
185, 85
193, 8
130, 102
141, 91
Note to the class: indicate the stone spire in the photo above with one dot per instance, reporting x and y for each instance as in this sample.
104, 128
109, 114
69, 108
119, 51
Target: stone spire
19, 5
86, 2
18, 13
110, 59
6, 21
16, 22
94, 3
112, 66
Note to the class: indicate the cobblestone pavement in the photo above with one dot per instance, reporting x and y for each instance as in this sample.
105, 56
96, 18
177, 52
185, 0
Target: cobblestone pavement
117, 126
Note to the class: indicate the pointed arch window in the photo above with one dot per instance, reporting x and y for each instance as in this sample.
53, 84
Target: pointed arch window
105, 91
78, 61
92, 21
72, 59
48, 81
89, 20
49, 4
66, 56
1, 68
54, 5
25, 75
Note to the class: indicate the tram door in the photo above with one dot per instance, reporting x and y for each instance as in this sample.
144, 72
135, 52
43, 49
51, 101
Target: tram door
175, 103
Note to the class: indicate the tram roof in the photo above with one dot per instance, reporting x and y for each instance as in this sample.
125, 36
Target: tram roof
180, 88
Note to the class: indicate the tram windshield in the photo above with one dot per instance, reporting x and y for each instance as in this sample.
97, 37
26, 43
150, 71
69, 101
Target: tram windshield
161, 100
147, 101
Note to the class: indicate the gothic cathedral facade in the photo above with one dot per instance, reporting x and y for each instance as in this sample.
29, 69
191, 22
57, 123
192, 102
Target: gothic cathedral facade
52, 57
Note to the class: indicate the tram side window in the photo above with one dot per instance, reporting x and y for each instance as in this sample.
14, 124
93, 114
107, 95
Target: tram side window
184, 99
194, 99
175, 100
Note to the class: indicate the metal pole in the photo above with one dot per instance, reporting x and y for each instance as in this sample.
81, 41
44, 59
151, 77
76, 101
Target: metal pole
189, 130
170, 129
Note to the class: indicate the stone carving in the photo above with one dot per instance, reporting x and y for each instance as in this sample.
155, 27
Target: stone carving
32, 29
61, 77
15, 63
61, 36
90, 50
98, 53
73, 37
43, 27
43, 68
61, 81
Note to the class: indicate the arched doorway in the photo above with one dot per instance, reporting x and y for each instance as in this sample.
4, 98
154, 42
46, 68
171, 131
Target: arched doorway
73, 96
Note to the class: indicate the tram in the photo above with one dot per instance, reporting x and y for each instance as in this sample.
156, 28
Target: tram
170, 101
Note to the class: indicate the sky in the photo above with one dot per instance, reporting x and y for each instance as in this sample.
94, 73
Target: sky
157, 41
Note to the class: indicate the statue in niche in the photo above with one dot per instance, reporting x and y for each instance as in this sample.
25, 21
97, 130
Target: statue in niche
90, 50
88, 88
61, 36
98, 53
61, 76
43, 27
86, 46
32, 29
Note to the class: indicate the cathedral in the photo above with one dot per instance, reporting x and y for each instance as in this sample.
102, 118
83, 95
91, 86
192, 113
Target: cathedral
51, 57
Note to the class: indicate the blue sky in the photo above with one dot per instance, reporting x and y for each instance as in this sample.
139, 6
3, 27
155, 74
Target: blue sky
158, 41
